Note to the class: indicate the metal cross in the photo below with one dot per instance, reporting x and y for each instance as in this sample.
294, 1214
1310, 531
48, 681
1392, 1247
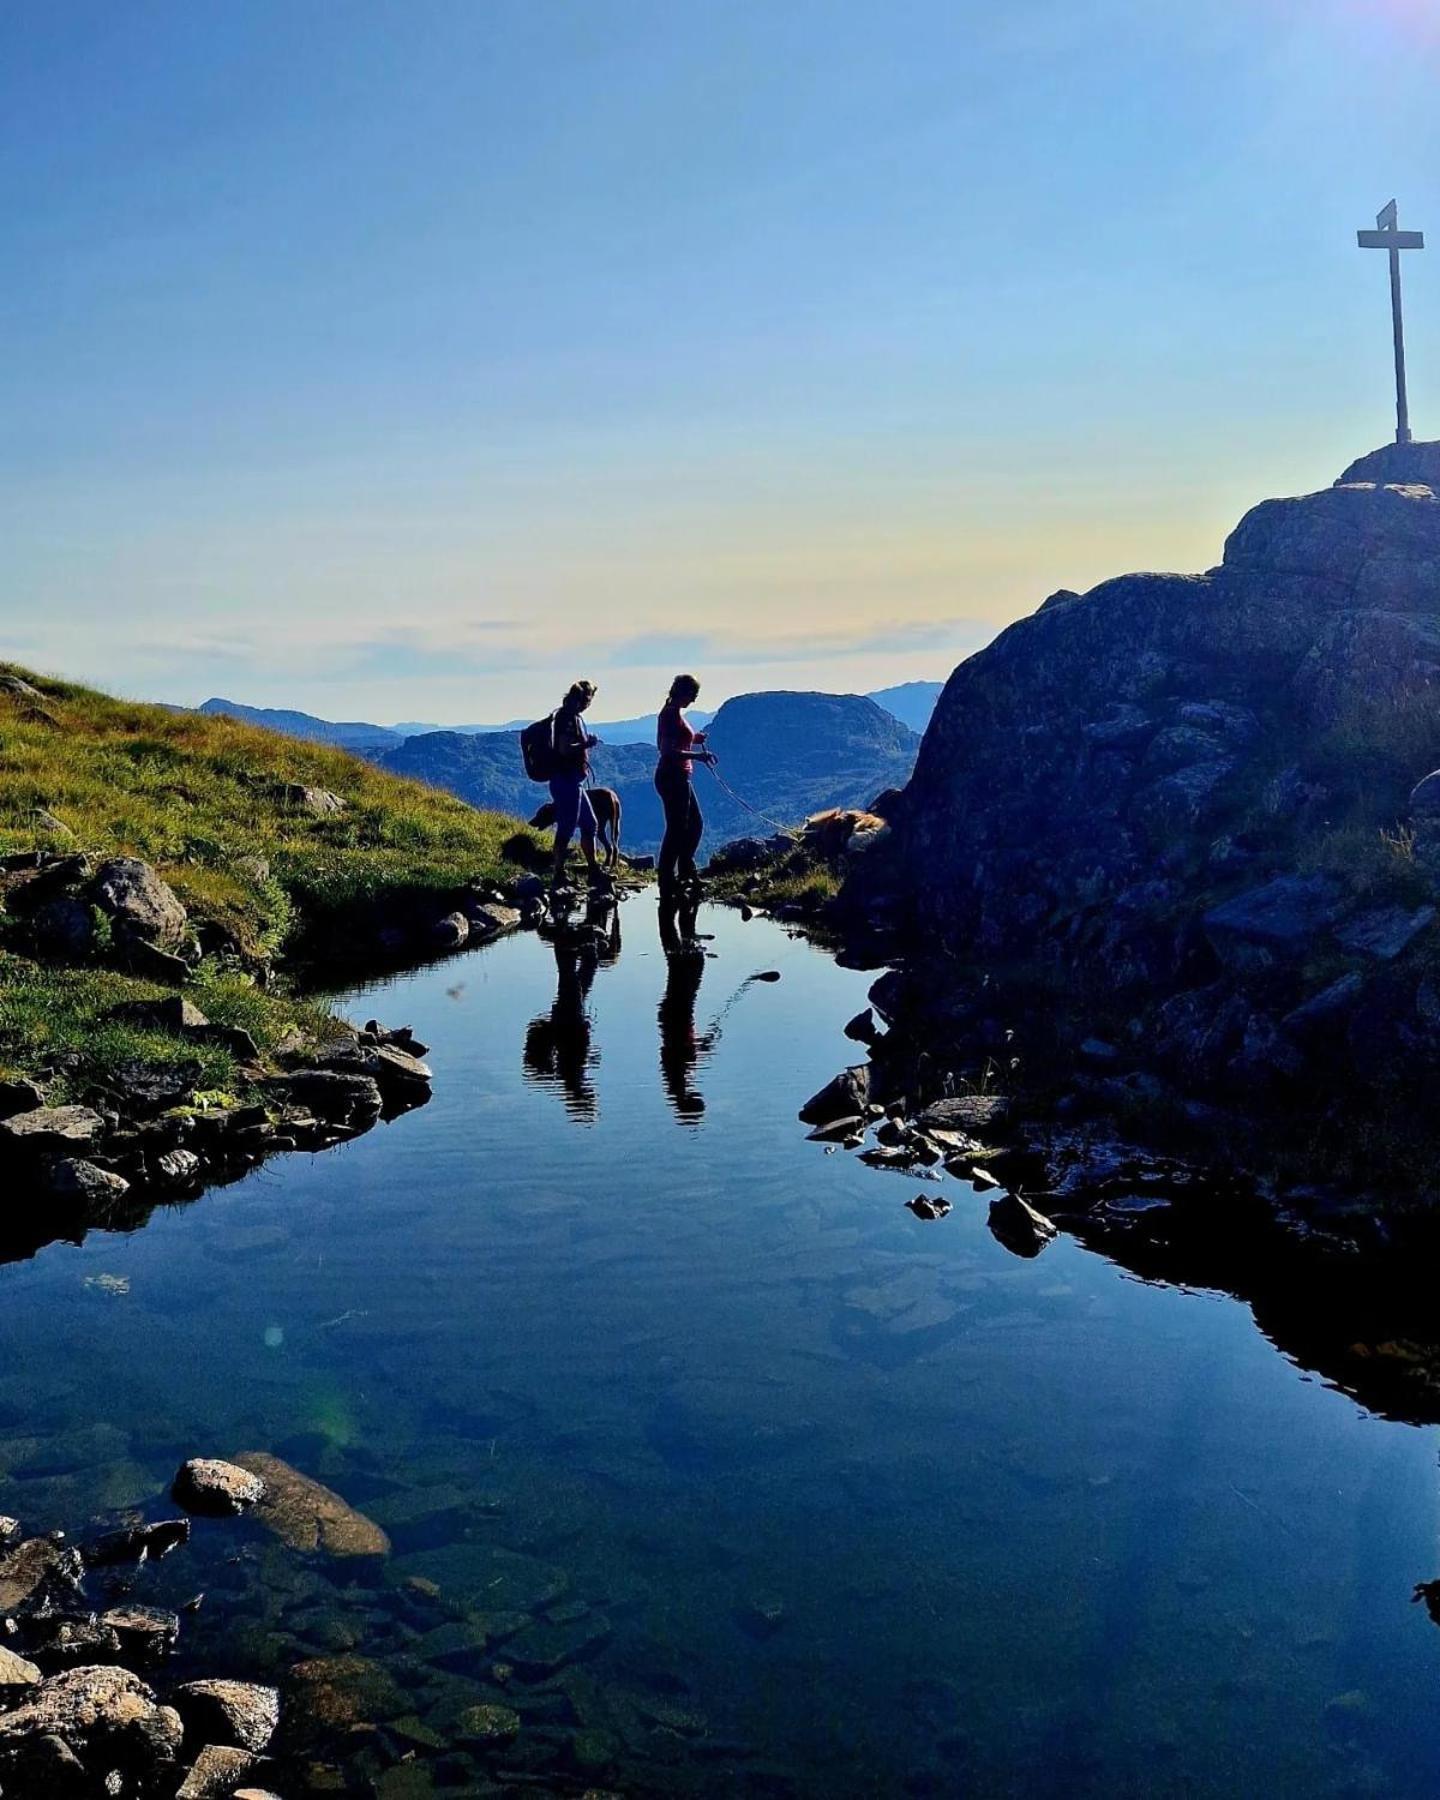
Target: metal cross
1389, 236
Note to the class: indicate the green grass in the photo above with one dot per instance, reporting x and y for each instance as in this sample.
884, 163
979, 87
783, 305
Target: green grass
202, 799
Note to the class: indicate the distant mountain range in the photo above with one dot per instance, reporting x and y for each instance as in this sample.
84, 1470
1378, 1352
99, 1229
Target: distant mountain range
785, 753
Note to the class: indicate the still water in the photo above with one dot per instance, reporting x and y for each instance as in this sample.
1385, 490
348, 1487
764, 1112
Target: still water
816, 1497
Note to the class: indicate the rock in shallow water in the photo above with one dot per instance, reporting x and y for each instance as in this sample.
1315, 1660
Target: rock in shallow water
306, 1515
1019, 1227
216, 1489
215, 1772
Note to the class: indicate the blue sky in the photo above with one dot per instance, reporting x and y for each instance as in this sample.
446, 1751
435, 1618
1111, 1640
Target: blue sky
406, 360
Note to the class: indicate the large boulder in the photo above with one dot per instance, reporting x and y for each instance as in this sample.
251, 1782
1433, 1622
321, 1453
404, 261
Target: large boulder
142, 907
109, 1717
52, 1131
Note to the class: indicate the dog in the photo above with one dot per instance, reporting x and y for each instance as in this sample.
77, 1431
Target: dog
605, 803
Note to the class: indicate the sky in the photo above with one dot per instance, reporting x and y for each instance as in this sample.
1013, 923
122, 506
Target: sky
408, 360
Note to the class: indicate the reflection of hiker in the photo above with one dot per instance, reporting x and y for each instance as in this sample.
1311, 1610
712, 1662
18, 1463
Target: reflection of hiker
570, 766
557, 1045
680, 749
681, 1047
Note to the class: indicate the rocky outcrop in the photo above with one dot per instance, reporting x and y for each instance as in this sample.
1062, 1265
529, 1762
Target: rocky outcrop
1182, 806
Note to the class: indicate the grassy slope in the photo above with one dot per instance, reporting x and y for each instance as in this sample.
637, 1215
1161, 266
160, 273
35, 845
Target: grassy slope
199, 798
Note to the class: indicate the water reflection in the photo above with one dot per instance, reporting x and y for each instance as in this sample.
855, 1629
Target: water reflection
682, 1048
559, 1051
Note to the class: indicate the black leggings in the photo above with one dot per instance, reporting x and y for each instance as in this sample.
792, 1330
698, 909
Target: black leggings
684, 827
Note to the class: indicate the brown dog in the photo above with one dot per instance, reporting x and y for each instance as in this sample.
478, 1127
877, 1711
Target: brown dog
606, 805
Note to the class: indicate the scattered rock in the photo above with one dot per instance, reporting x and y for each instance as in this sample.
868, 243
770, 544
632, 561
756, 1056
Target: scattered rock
229, 1712
1384, 931
216, 1489
136, 1543
74, 1178
353, 1101
333, 1693
143, 909
38, 1573
19, 1097
52, 1131
146, 1632
450, 933
966, 1112
488, 1724
842, 1098
929, 1206
838, 1131
1019, 1227
15, 1674
100, 1712
490, 919
214, 1773
321, 803
862, 1029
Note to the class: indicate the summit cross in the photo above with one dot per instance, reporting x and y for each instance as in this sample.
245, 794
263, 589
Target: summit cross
1388, 236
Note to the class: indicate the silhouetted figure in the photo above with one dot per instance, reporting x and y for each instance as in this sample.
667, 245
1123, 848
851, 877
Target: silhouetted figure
557, 1045
680, 749
681, 1046
571, 745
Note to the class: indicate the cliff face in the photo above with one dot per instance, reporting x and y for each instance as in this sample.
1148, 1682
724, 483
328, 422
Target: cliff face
1193, 792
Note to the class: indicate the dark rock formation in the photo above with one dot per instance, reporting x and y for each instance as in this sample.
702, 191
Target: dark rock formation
1182, 806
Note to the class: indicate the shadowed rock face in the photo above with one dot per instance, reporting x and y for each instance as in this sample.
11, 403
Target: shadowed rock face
1118, 783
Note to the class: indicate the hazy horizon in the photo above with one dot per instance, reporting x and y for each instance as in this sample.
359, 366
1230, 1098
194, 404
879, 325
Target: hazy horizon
406, 364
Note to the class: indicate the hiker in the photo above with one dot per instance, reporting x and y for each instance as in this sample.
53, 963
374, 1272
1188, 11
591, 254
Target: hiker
571, 765
680, 749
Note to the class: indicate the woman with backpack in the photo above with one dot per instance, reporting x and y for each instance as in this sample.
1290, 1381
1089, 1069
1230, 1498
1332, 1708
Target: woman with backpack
680, 749
571, 745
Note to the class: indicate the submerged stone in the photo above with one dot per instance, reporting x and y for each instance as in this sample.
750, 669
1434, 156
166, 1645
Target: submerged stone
306, 1515
488, 1724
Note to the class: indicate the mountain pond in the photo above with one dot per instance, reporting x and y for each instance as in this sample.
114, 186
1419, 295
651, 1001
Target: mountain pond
709, 1460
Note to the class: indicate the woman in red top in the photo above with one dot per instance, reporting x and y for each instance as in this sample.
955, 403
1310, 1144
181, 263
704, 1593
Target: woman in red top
680, 749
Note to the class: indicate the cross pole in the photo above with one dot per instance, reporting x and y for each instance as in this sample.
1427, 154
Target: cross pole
1389, 236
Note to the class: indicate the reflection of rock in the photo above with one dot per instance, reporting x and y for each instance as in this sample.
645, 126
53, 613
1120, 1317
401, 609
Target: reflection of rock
308, 1516
1019, 1227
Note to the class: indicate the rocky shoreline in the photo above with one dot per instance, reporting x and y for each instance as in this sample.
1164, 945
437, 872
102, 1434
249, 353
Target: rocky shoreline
77, 1719
147, 1129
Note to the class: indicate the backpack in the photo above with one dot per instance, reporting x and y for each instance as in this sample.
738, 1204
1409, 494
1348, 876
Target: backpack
537, 748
